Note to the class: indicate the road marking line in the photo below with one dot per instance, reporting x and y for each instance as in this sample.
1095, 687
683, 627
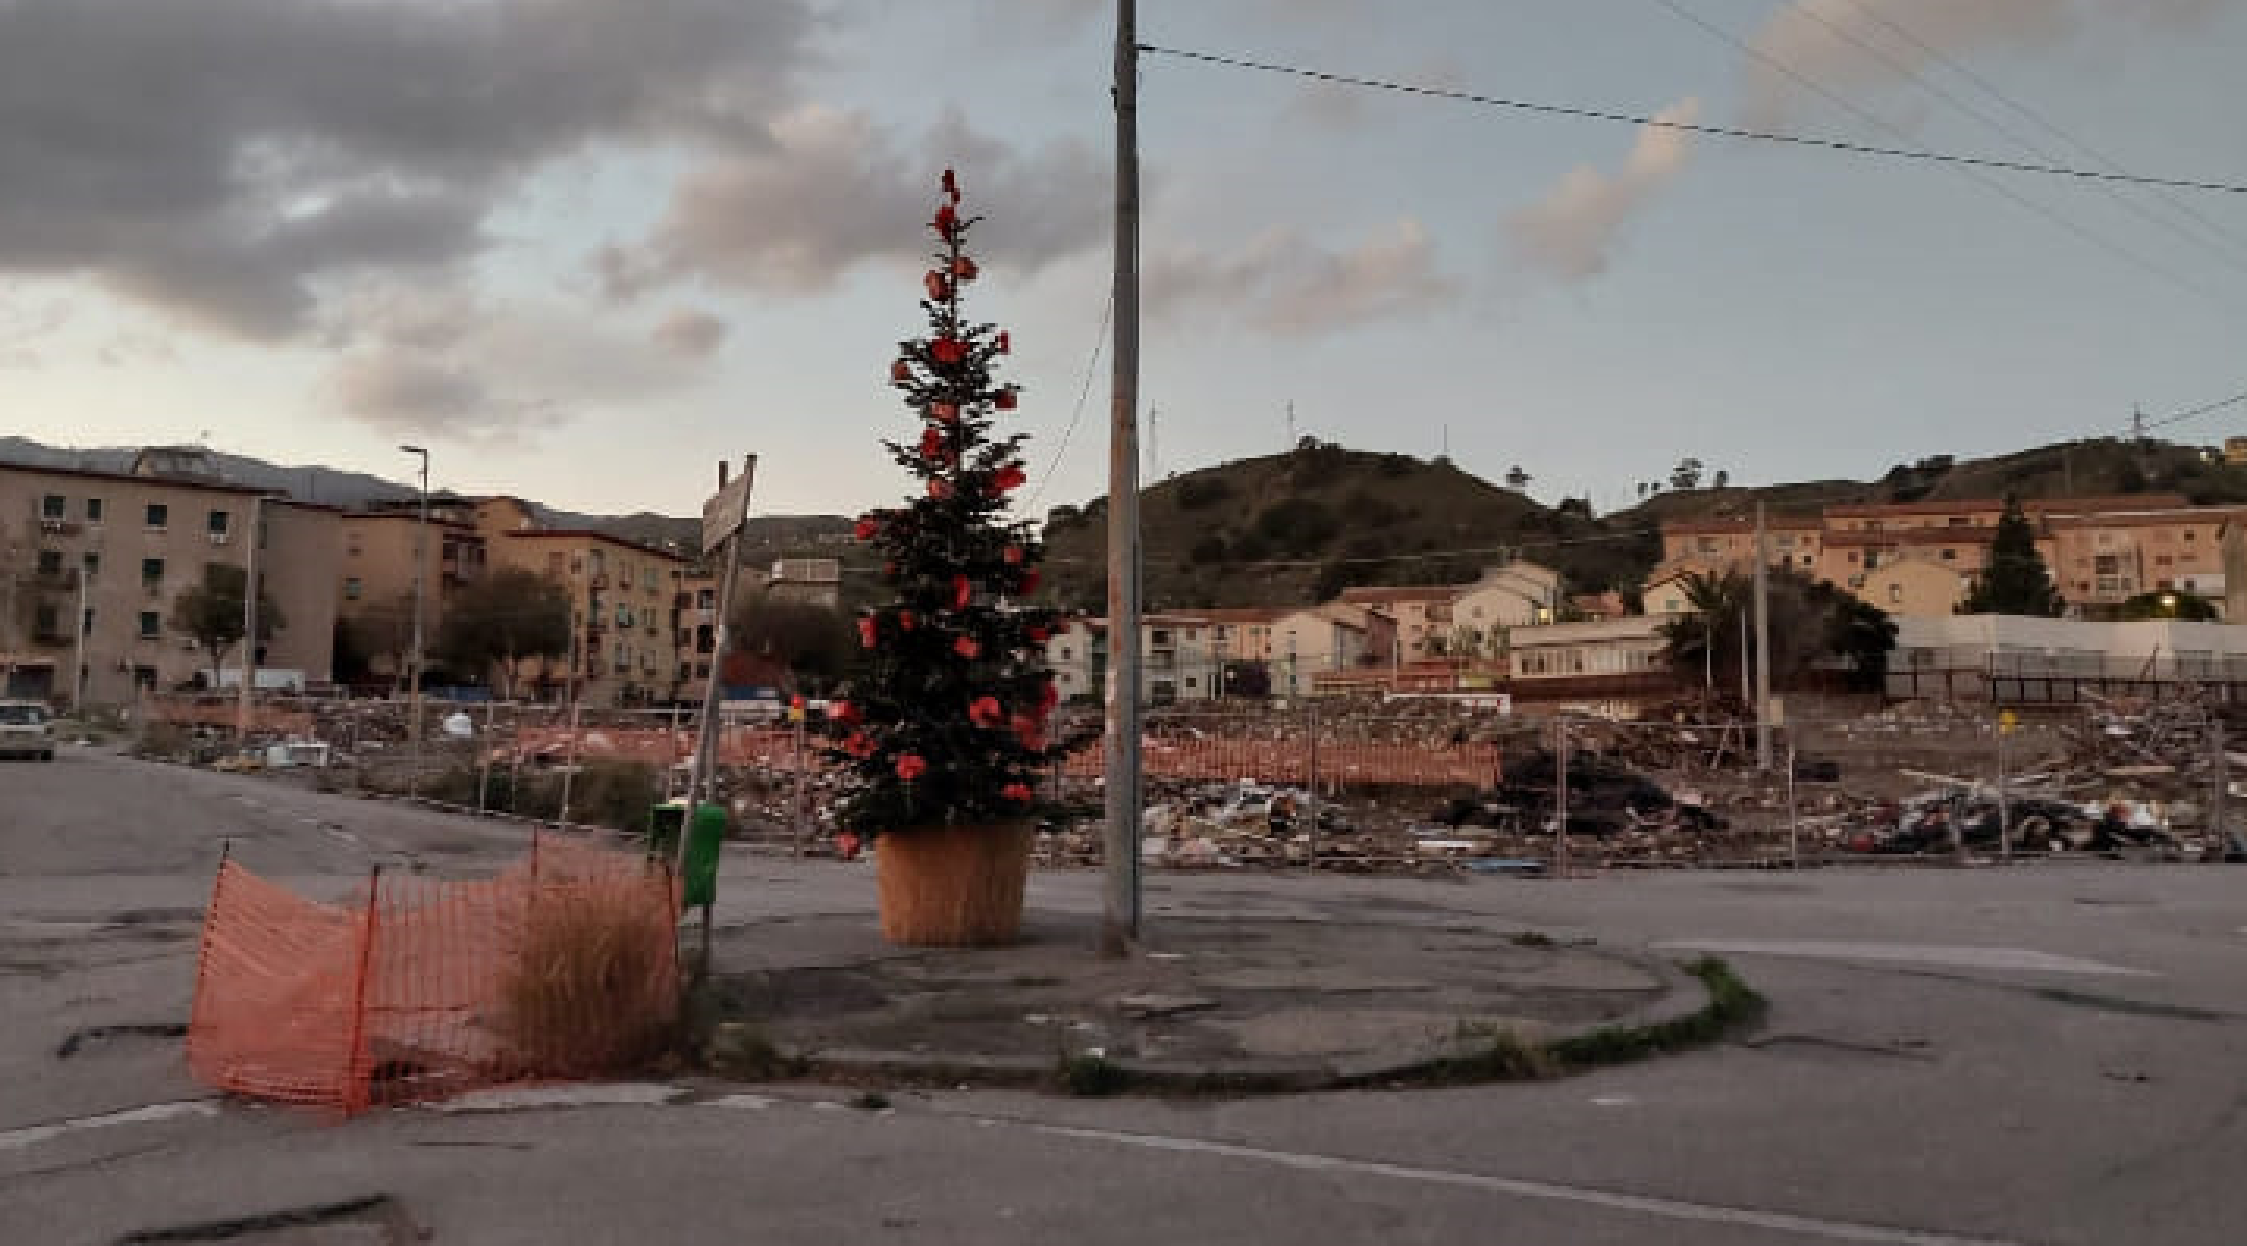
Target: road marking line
1668, 1208
32, 1135
1909, 954
505, 1099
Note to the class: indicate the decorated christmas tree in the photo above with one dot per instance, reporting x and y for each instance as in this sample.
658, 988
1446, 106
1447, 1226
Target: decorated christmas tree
945, 731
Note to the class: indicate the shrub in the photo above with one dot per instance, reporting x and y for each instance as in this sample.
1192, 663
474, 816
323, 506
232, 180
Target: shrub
1203, 491
591, 987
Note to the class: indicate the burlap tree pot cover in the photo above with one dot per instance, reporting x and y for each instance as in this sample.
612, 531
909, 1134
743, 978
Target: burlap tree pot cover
953, 886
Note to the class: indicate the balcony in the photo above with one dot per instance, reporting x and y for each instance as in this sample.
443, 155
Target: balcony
57, 527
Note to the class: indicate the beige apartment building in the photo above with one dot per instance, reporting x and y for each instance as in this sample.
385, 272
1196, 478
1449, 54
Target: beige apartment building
624, 615
1920, 559
375, 579
91, 564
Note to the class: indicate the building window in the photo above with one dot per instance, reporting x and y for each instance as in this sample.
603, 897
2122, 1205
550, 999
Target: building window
86, 624
152, 571
93, 564
157, 517
351, 544
1895, 594
1950, 555
2162, 560
219, 522
51, 506
1852, 555
93, 510
150, 625
351, 589
50, 562
2191, 535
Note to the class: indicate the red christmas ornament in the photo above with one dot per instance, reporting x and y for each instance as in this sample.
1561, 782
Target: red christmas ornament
947, 350
859, 745
1016, 792
985, 712
966, 647
962, 592
946, 219
932, 445
964, 269
939, 286
940, 488
867, 527
1008, 478
945, 411
869, 633
1006, 342
951, 186
901, 372
911, 767
1012, 555
1005, 400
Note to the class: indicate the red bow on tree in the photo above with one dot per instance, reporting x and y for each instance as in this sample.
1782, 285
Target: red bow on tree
1012, 555
1005, 400
911, 767
843, 712
945, 220
939, 287
940, 488
951, 186
947, 350
1016, 791
869, 633
964, 268
1006, 342
932, 446
962, 592
867, 527
1008, 478
985, 712
859, 745
966, 647
945, 411
901, 372
1029, 583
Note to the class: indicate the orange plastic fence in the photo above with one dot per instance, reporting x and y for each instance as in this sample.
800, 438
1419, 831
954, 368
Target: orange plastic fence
564, 965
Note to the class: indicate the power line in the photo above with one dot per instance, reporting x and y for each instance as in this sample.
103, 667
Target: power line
2205, 408
2214, 230
1716, 131
1871, 119
1084, 391
1844, 34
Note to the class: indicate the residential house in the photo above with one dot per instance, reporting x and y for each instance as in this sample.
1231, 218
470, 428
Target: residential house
1616, 654
1422, 613
1177, 659
375, 580
1316, 640
624, 613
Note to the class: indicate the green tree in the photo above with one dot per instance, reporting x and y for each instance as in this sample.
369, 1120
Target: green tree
945, 722
2015, 581
1813, 626
501, 619
2171, 604
814, 641
211, 612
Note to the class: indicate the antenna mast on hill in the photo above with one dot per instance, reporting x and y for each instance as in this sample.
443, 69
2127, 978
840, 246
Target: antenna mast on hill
1154, 447
1290, 424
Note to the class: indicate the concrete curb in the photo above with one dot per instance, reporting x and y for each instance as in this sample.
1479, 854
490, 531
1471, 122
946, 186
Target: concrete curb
1688, 1005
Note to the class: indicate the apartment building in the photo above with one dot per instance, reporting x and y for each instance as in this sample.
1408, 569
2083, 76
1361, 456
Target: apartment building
1920, 559
92, 564
1178, 659
375, 578
1421, 612
624, 614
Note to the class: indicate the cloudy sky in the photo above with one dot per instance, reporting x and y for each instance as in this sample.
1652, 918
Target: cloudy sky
582, 249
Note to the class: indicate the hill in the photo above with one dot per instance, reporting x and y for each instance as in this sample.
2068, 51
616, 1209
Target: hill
1295, 528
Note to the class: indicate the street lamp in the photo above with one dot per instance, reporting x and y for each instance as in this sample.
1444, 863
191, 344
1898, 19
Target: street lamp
421, 572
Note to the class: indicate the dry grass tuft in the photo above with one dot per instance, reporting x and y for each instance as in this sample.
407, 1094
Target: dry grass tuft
594, 987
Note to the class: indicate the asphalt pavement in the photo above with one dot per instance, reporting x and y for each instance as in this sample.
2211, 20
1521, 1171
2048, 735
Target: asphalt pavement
2049, 1054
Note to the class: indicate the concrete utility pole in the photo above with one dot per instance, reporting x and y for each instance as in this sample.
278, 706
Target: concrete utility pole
244, 695
1120, 907
421, 572
1762, 645
78, 649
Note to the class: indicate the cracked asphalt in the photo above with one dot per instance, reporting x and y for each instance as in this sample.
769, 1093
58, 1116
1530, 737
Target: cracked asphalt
2054, 1054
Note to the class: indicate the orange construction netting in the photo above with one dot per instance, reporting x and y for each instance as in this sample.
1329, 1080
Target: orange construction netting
564, 965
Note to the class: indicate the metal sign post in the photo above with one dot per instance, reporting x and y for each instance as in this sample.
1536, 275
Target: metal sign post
722, 528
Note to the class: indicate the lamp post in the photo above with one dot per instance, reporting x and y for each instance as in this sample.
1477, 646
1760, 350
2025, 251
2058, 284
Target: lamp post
421, 573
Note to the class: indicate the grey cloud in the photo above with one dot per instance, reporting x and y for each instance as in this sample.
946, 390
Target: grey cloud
835, 190
447, 364
1284, 284
222, 158
690, 331
1571, 232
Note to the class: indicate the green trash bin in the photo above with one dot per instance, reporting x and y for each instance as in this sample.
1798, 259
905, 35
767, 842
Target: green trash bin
704, 836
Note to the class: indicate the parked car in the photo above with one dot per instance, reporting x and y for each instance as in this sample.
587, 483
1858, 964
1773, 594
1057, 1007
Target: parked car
26, 730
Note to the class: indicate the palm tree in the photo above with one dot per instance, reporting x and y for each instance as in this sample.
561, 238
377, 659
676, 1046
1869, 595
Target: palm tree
1706, 642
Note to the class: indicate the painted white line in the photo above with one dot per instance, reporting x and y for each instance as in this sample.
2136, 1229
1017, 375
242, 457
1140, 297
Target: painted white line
32, 1135
2004, 958
756, 1103
511, 1099
1665, 1208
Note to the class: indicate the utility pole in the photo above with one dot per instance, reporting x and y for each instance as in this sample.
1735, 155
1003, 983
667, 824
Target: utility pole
421, 573
1120, 908
2005, 721
2219, 784
78, 649
1560, 796
243, 696
1762, 645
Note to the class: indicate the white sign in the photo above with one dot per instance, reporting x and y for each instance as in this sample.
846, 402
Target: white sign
727, 509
